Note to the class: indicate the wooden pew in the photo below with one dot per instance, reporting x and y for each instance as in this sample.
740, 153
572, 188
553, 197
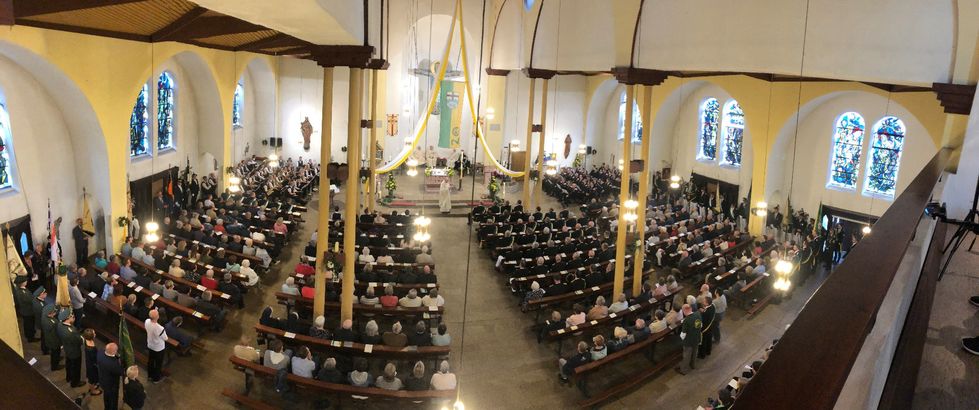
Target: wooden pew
647, 347
397, 312
363, 395
595, 326
103, 305
196, 287
158, 298
356, 349
255, 261
399, 288
246, 401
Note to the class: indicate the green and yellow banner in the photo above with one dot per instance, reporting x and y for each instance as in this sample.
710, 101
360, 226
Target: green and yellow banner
450, 114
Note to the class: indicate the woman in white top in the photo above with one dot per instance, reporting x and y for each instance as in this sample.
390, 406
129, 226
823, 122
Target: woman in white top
366, 256
251, 278
175, 269
443, 380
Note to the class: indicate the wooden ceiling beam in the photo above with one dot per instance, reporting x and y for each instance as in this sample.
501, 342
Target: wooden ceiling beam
6, 12
209, 26
274, 41
29, 8
178, 24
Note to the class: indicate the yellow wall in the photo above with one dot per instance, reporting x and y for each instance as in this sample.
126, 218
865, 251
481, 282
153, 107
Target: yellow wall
109, 73
768, 106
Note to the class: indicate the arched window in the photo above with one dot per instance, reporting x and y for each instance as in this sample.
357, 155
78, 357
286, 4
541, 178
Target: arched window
165, 102
6, 177
847, 143
710, 111
636, 121
237, 105
886, 144
733, 133
139, 129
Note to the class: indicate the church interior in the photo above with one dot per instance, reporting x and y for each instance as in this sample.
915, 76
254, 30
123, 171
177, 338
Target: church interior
524, 204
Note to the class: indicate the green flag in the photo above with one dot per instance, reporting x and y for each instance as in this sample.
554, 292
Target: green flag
125, 344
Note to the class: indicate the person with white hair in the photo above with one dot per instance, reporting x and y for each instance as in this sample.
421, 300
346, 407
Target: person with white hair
621, 303
251, 277
389, 380
318, 330
443, 380
410, 300
424, 258
133, 394
433, 299
290, 286
175, 269
249, 248
365, 256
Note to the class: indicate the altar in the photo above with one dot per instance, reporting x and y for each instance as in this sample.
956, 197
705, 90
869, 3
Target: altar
435, 176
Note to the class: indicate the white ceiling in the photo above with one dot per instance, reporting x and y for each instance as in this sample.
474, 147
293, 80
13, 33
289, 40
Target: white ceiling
325, 22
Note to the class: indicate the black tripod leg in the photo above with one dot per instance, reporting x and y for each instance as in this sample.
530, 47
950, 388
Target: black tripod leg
959, 236
973, 243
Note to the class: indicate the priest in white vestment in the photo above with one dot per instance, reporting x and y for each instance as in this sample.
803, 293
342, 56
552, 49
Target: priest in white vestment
445, 202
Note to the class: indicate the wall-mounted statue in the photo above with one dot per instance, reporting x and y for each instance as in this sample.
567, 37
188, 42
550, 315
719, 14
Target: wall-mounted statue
307, 129
567, 146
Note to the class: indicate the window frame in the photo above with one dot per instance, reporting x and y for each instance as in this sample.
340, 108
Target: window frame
6, 134
172, 147
637, 125
148, 131
830, 182
871, 148
703, 125
725, 124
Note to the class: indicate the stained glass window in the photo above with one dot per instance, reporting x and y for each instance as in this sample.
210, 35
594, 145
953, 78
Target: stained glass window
139, 129
636, 121
6, 179
238, 105
847, 144
886, 144
710, 112
733, 133
165, 101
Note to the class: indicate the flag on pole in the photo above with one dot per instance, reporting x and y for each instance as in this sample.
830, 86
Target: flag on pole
14, 262
53, 239
88, 224
125, 344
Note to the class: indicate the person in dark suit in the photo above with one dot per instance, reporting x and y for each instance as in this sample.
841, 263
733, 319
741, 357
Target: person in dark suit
580, 357
110, 371
707, 313
81, 243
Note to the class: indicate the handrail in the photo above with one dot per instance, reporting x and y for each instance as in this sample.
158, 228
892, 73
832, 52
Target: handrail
811, 362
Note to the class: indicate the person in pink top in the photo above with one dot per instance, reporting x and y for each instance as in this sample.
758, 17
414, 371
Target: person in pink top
280, 227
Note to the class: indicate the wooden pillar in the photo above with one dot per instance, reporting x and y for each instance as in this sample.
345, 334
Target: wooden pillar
351, 206
647, 126
622, 232
538, 187
372, 148
530, 132
323, 222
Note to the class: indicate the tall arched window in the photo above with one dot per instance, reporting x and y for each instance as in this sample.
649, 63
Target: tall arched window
636, 121
165, 101
886, 144
847, 143
6, 177
238, 105
733, 133
139, 129
710, 112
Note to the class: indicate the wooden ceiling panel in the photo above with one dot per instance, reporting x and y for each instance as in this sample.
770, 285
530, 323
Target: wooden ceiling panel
143, 18
236, 40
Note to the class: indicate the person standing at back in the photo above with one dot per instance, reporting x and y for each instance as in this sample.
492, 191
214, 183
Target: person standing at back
156, 337
71, 340
132, 393
690, 335
110, 371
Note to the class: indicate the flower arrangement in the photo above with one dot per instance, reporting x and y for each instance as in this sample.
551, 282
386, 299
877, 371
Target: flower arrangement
428, 172
122, 221
494, 188
390, 185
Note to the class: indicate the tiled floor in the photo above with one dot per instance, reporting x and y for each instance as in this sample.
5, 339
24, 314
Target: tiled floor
948, 375
494, 353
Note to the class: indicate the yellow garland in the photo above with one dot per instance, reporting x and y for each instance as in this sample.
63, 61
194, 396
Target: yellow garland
405, 153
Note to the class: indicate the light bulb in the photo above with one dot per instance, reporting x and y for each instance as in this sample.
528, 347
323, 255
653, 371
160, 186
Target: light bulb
234, 189
631, 204
234, 180
152, 237
412, 172
783, 266
761, 204
761, 212
866, 230
152, 227
675, 178
458, 405
273, 157
674, 185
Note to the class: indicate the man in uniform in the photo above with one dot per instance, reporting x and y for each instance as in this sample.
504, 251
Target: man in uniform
71, 340
37, 305
707, 312
49, 332
690, 334
24, 301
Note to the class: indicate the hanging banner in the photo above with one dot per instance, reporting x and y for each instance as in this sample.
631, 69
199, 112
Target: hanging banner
450, 120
